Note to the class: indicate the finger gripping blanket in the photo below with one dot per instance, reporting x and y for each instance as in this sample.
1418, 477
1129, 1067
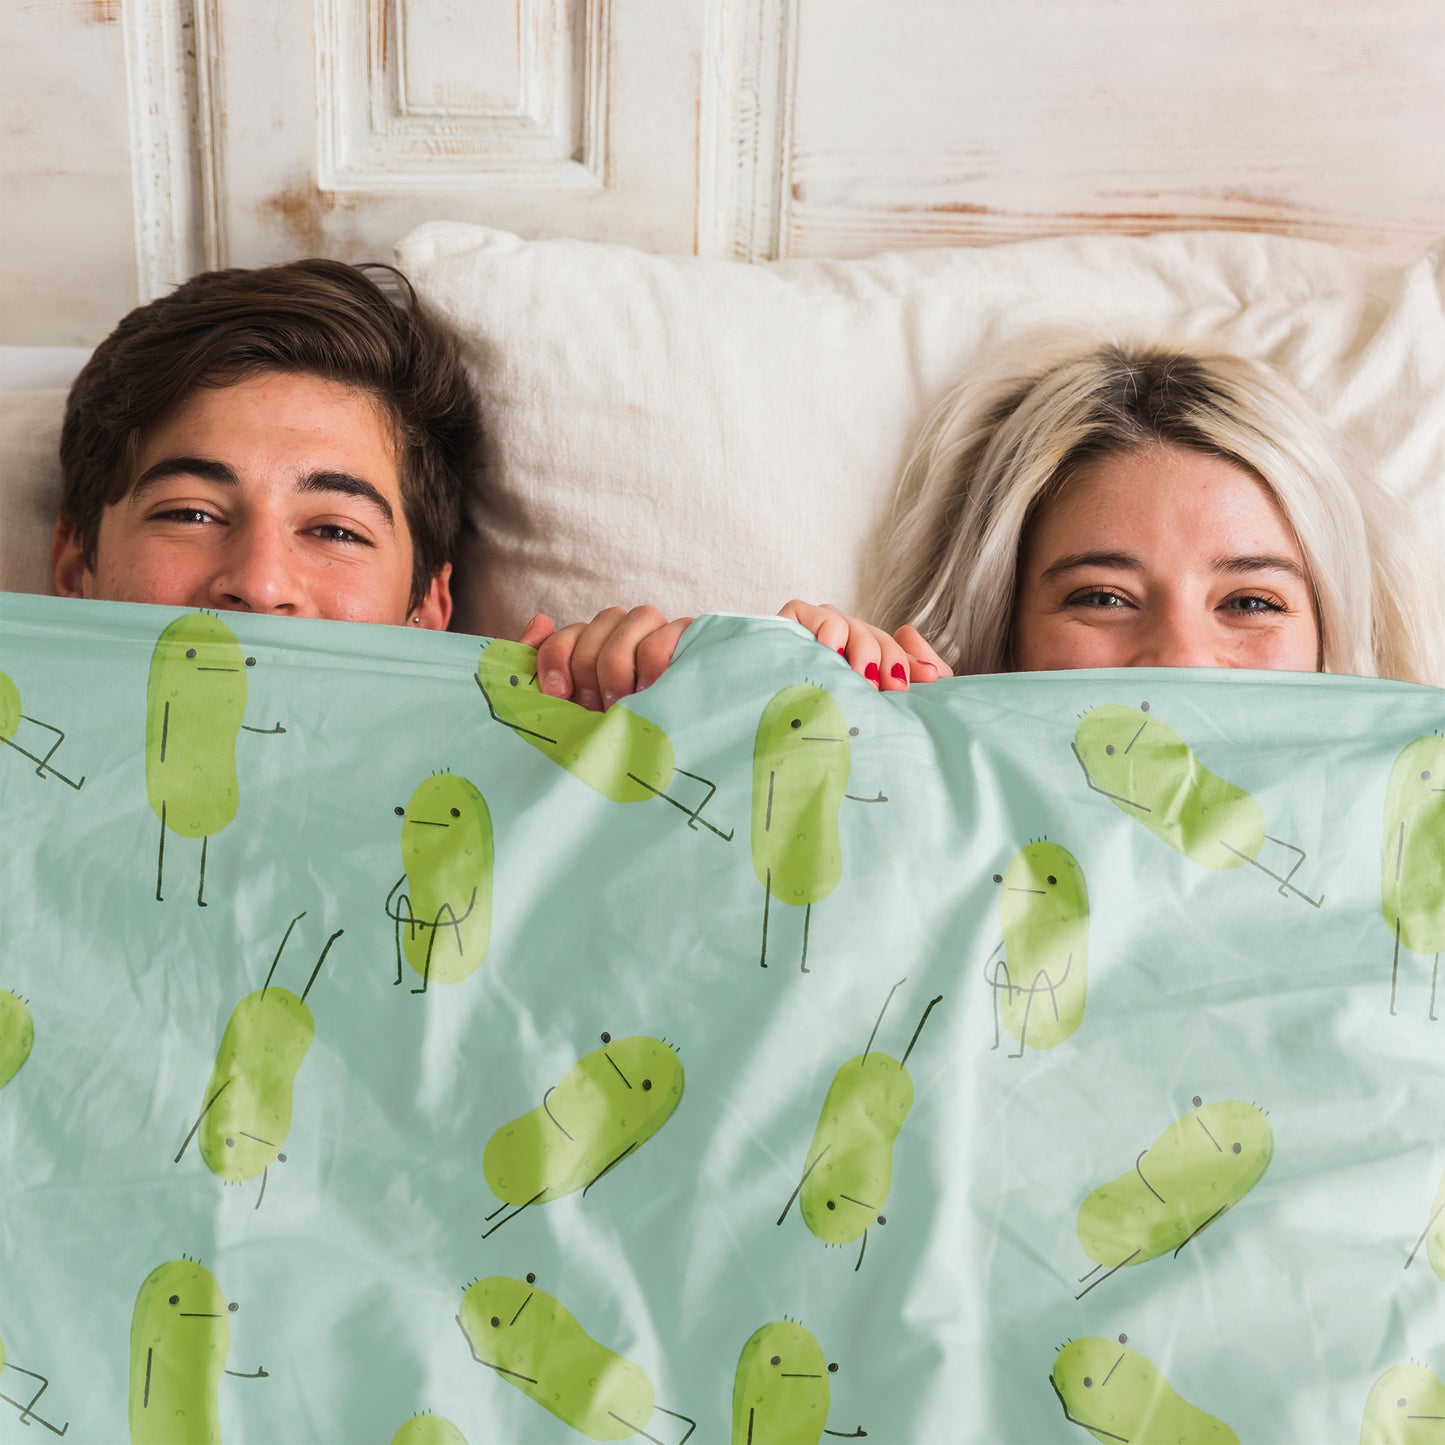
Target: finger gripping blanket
390, 1052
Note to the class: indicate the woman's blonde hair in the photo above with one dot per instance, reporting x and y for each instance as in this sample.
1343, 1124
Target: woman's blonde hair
993, 453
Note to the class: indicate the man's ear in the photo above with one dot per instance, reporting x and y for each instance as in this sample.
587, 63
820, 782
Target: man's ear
68, 573
435, 607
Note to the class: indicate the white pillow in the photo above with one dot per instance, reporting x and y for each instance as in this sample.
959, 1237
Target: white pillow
711, 435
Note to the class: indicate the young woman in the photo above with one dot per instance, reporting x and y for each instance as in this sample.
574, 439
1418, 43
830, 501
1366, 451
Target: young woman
1148, 507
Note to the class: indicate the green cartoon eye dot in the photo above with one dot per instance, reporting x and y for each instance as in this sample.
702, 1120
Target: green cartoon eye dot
456, 812
833, 1369
1109, 749
1052, 880
647, 1083
250, 662
797, 722
998, 877
400, 812
606, 1038
1197, 1101
190, 652
852, 732
1237, 1147
233, 1307
513, 679
1425, 776
776, 1360
175, 1299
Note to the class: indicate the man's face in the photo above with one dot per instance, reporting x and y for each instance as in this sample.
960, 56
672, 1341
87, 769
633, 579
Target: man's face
278, 494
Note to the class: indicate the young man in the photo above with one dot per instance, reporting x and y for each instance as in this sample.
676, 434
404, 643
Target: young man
297, 440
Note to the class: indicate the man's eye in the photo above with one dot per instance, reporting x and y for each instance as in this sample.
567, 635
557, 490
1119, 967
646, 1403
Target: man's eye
332, 533
182, 514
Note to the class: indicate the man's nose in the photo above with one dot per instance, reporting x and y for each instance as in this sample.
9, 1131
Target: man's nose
258, 571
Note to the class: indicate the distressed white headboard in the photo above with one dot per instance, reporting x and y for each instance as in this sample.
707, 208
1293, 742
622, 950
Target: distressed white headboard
144, 141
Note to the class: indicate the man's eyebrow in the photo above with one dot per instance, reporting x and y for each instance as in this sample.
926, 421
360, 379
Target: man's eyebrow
207, 469
204, 468
348, 486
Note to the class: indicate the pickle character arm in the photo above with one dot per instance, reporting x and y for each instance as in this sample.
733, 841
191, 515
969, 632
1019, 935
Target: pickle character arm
27, 1412
43, 764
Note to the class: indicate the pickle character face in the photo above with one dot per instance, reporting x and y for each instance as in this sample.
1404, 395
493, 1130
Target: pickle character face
801, 761
781, 1389
1200, 1166
1405, 1406
616, 753
9, 708
179, 1339
534, 1342
428, 1429
1117, 1394
1412, 854
608, 1104
17, 1035
448, 853
1149, 772
1041, 985
253, 1082
849, 1168
195, 703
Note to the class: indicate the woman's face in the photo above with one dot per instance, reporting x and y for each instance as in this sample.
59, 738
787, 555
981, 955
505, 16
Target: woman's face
1163, 557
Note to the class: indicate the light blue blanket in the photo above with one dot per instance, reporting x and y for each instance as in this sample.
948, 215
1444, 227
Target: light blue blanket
1010, 1058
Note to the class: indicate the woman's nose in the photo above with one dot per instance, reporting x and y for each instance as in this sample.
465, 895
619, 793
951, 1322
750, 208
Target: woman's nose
258, 572
1177, 637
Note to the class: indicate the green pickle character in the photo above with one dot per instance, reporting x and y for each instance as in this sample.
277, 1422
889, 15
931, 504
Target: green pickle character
10, 719
1116, 1394
428, 1429
1412, 857
1405, 1406
248, 1100
441, 907
1200, 1166
27, 1410
609, 1103
1040, 983
535, 1343
17, 1035
849, 1168
616, 753
195, 705
801, 761
781, 1391
180, 1335
1150, 773
1433, 1235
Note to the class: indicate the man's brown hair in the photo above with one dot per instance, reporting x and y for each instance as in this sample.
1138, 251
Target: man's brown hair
313, 317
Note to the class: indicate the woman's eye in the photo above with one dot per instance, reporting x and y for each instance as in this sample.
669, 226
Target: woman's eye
1095, 597
1252, 603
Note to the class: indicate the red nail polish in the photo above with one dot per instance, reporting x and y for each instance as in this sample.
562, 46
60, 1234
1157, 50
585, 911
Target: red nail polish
897, 671
842, 653
871, 672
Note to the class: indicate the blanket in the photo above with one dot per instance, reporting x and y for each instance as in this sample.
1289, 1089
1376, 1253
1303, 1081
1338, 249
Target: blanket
388, 1051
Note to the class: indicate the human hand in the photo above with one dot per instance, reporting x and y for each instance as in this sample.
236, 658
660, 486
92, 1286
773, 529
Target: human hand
889, 663
595, 663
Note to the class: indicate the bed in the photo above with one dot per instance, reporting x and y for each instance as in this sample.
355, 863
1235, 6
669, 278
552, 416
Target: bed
1158, 1156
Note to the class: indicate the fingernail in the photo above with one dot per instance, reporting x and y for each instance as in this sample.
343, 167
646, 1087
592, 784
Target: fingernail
589, 700
842, 652
871, 672
608, 698
554, 684
531, 622
897, 671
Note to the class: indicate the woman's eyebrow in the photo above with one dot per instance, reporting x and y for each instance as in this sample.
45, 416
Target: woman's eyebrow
1119, 561
1265, 562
